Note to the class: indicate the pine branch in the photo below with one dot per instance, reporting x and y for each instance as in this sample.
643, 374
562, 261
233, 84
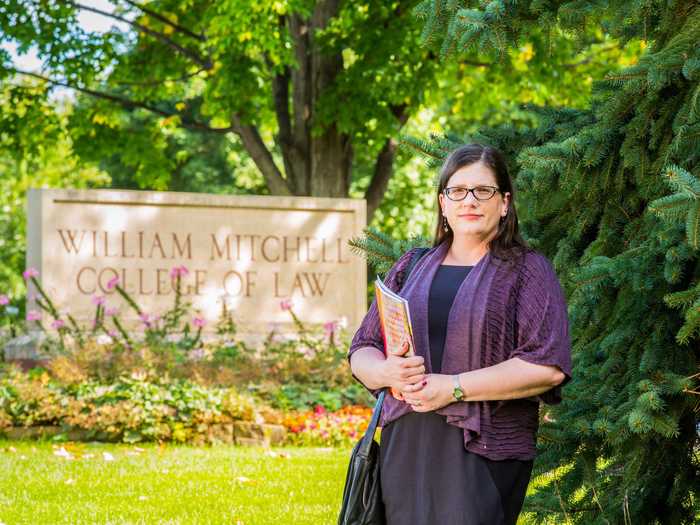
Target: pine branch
381, 250
673, 208
683, 298
683, 206
436, 149
683, 181
692, 226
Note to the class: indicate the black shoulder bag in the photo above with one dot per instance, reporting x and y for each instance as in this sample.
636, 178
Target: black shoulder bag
362, 497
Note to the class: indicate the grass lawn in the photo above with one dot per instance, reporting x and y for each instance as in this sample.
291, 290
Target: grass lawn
168, 485
107, 484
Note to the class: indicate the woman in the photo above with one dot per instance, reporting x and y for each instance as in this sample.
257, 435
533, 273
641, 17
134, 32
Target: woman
491, 340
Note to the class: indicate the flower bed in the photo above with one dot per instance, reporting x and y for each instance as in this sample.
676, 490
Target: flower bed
322, 428
168, 383
139, 408
131, 409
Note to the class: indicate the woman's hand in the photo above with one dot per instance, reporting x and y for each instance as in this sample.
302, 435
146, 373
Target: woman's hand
435, 394
404, 374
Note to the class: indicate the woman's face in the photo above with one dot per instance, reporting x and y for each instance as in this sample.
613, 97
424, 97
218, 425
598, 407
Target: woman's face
471, 217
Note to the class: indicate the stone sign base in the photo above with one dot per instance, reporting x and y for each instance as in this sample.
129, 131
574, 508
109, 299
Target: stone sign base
24, 351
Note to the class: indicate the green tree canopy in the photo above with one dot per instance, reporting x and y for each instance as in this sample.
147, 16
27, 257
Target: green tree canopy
35, 152
310, 88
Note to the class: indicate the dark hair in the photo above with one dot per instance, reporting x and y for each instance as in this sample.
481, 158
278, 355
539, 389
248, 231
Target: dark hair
507, 244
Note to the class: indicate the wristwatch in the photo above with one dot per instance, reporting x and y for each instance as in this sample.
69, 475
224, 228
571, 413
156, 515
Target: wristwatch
457, 393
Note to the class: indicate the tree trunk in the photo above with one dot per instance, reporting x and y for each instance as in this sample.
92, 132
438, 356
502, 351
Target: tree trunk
318, 164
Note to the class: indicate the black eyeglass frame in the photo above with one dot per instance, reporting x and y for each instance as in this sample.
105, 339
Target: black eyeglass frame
446, 192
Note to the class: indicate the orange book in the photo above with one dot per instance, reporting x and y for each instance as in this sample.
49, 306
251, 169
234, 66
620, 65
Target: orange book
395, 320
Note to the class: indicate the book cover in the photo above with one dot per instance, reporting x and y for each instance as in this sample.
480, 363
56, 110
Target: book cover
395, 322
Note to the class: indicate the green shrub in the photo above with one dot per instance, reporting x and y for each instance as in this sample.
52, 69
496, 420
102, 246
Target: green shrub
133, 408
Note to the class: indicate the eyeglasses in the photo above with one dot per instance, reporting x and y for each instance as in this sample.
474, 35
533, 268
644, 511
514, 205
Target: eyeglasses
481, 193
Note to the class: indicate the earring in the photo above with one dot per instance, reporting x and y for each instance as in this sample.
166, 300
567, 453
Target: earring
444, 223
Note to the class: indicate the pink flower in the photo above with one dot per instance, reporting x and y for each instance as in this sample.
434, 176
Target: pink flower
29, 273
197, 354
97, 300
4, 300
329, 327
111, 311
145, 318
179, 271
199, 322
112, 282
286, 304
113, 333
33, 315
319, 410
58, 323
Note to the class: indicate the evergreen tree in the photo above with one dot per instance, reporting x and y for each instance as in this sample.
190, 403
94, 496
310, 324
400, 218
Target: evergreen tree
611, 194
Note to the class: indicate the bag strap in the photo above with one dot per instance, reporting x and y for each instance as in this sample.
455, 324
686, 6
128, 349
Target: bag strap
372, 427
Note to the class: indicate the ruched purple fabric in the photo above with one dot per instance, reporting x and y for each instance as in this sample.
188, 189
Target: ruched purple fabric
502, 310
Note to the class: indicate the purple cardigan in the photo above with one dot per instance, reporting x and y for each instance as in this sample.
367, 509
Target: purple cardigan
500, 311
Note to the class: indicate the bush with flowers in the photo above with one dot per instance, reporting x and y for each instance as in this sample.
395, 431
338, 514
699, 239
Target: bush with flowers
134, 408
320, 427
172, 342
220, 378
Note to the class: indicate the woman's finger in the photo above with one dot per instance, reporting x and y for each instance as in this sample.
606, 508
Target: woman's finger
414, 387
413, 379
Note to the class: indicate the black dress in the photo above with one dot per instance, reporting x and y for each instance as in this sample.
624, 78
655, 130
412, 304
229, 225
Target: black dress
427, 476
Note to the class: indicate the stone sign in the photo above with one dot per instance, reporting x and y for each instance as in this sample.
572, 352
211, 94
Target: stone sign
253, 252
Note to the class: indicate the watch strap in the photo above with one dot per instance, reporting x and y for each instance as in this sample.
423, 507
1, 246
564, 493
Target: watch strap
457, 387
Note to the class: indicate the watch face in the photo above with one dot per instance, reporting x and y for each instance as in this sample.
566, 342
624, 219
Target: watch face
458, 393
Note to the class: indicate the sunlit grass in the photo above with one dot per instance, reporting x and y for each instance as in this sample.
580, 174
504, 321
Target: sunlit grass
148, 484
169, 485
